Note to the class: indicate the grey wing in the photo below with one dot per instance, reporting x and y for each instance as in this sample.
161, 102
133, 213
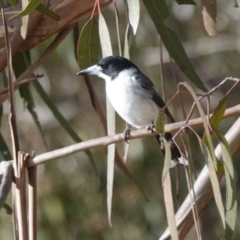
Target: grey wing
148, 85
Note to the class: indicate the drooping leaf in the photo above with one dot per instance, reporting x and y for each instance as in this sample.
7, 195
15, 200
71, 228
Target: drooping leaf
128, 41
160, 121
1, 114
208, 150
26, 94
88, 44
214, 122
20, 63
31, 6
158, 11
167, 160
231, 189
209, 11
134, 14
25, 19
8, 209
167, 192
47, 12
106, 47
216, 117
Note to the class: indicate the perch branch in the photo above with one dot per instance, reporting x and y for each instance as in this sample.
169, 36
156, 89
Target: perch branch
107, 140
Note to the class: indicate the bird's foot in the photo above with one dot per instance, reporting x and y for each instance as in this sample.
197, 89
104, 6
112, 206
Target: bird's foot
151, 128
127, 135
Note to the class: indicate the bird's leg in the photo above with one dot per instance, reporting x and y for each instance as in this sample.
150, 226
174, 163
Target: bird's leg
127, 133
151, 128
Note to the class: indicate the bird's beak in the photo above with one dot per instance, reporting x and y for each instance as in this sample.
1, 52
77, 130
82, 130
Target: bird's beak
93, 70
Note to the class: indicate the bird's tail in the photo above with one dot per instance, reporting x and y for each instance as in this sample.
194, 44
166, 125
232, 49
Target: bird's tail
177, 158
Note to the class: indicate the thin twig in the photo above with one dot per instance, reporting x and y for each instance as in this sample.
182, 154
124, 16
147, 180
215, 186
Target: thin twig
13, 126
32, 203
17, 85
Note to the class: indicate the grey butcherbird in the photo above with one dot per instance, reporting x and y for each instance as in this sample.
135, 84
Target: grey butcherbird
133, 96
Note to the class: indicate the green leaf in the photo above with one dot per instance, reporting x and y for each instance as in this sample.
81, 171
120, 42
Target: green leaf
104, 35
106, 47
158, 11
4, 149
160, 121
126, 52
8, 209
1, 114
216, 117
88, 44
167, 159
32, 5
47, 12
214, 122
28, 98
63, 122
231, 189
134, 14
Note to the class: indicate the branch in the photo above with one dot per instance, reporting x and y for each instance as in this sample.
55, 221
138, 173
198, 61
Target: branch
104, 141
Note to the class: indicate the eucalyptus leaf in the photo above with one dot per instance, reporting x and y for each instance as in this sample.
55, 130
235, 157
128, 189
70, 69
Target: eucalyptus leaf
159, 12
160, 122
47, 12
63, 122
231, 190
88, 44
190, 2
106, 47
31, 6
216, 117
134, 14
20, 63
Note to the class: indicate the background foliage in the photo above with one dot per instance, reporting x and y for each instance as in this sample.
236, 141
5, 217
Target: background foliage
71, 197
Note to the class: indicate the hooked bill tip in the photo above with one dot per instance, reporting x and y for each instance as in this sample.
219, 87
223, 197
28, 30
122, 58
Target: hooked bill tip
80, 73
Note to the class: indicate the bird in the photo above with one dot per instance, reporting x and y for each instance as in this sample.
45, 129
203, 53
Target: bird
134, 97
